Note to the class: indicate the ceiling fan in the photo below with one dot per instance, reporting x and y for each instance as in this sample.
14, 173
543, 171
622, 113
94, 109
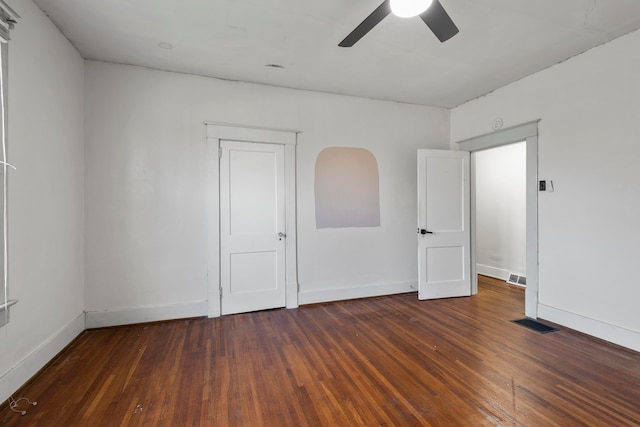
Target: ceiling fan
431, 12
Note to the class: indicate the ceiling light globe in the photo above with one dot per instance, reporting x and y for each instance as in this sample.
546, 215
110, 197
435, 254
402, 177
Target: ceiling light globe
409, 8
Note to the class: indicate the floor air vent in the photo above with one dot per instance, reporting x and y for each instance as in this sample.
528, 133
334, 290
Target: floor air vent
516, 279
535, 325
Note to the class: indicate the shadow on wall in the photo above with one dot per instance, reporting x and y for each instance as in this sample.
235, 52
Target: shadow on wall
347, 188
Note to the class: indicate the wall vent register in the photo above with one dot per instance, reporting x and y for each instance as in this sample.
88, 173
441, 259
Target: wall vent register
516, 279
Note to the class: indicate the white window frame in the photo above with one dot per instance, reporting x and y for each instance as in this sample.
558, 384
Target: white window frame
8, 17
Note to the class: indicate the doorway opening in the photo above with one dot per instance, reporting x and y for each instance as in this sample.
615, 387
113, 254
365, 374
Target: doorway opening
500, 184
528, 133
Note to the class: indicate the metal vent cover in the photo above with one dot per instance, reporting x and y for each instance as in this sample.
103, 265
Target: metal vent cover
516, 279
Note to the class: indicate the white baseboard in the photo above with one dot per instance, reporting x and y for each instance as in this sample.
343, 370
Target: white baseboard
614, 334
101, 319
497, 273
339, 294
17, 376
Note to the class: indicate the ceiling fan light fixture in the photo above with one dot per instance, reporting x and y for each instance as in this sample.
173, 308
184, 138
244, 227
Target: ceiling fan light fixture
409, 8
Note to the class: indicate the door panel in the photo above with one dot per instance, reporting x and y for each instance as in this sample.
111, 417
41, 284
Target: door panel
444, 244
445, 264
253, 272
443, 208
254, 192
252, 213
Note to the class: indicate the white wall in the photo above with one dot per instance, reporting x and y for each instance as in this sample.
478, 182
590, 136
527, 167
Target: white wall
589, 147
145, 160
500, 181
46, 78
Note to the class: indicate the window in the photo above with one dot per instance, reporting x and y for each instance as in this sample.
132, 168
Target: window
7, 20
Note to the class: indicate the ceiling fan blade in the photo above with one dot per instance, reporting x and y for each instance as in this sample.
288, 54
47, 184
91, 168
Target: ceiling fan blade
365, 26
438, 20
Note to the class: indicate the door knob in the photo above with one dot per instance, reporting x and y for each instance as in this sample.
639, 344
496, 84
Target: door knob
423, 231
281, 235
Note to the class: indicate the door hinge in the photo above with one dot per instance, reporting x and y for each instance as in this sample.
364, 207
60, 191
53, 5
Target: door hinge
220, 291
219, 152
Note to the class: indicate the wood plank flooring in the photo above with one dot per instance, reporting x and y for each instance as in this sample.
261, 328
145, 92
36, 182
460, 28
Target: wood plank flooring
391, 361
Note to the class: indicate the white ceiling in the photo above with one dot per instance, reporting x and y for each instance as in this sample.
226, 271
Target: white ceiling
500, 41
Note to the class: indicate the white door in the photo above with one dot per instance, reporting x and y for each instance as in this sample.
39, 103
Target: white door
252, 226
444, 238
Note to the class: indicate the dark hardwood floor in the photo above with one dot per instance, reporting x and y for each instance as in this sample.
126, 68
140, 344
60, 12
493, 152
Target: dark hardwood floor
392, 361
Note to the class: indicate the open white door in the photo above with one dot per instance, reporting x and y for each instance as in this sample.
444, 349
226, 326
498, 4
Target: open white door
444, 238
252, 226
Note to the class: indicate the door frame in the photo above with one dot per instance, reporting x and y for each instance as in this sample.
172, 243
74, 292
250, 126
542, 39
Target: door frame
215, 132
527, 132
